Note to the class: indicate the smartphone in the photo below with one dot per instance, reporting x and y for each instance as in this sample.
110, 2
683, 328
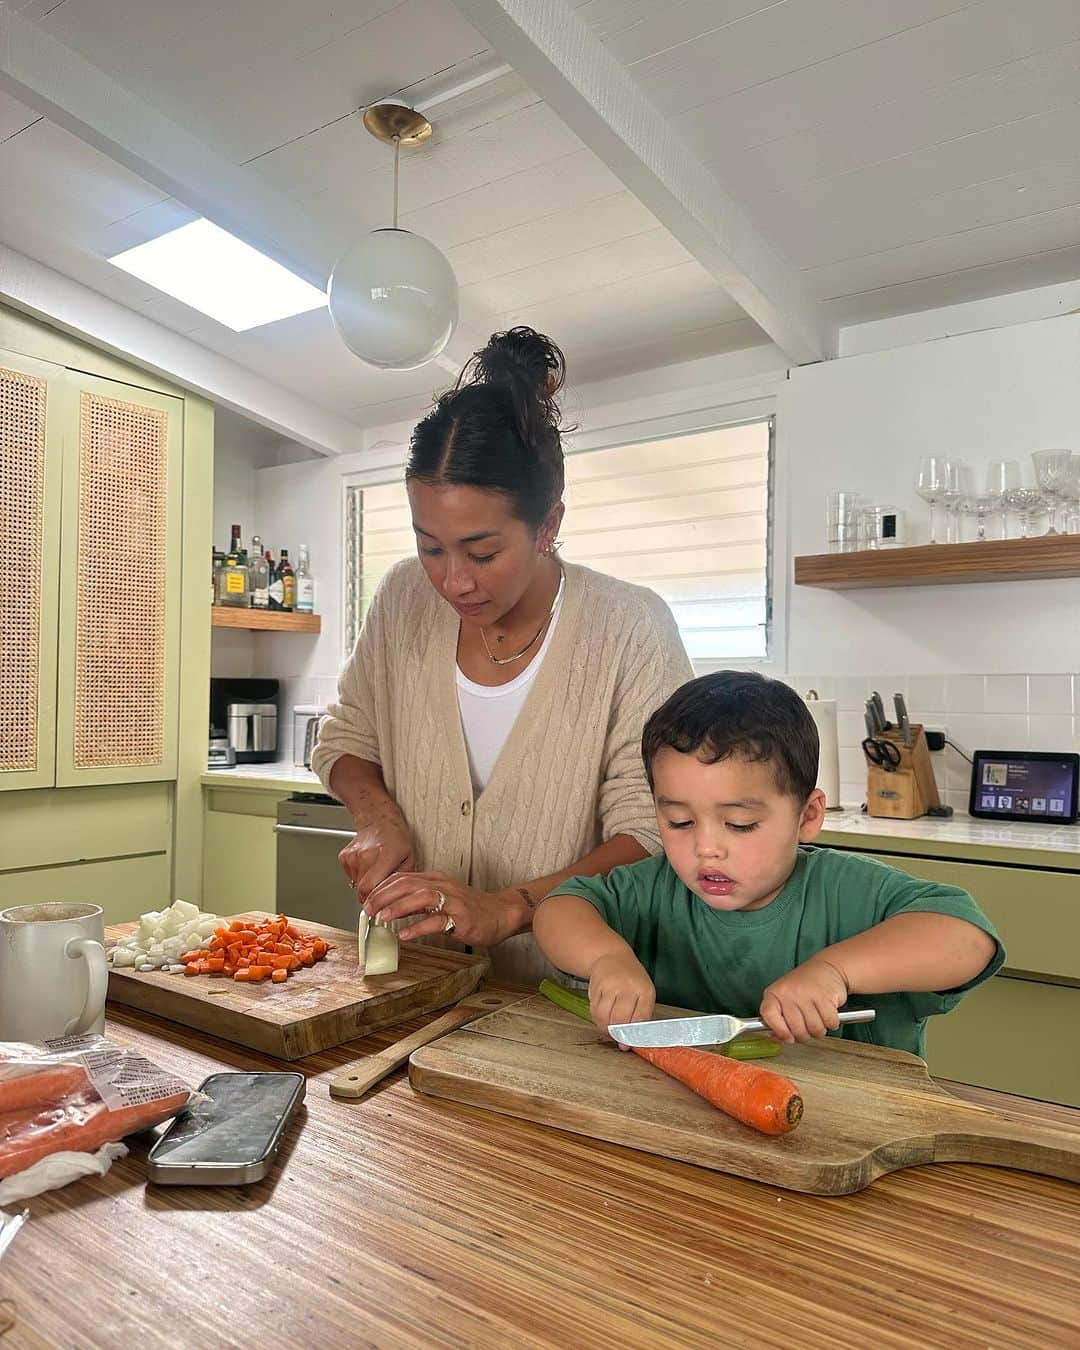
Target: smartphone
230, 1138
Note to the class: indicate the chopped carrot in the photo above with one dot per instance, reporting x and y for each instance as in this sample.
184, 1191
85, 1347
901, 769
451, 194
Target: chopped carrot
253, 952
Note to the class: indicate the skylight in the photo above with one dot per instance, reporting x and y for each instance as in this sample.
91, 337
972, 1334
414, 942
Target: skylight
213, 271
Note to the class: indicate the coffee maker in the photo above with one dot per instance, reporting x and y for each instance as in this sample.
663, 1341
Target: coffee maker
244, 716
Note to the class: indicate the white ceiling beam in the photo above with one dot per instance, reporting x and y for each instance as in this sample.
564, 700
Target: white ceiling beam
51, 77
84, 313
572, 70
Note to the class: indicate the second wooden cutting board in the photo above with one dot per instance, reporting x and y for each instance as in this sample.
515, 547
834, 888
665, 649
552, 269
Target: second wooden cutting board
867, 1110
316, 1008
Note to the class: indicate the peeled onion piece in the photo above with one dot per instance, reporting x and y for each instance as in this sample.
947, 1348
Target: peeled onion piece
378, 947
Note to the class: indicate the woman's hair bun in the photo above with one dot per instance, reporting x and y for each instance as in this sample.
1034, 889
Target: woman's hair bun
530, 367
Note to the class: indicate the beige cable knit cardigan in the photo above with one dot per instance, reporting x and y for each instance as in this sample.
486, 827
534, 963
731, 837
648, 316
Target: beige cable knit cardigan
570, 775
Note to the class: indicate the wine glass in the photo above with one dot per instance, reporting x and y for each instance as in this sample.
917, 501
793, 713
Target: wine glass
931, 484
1053, 471
1001, 476
959, 489
1028, 503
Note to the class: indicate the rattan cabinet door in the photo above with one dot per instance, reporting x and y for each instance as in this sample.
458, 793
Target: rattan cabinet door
31, 453
120, 568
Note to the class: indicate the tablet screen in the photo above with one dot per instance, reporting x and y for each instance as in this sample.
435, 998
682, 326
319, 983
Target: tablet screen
1024, 786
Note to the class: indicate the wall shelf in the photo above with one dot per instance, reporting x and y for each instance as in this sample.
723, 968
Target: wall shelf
266, 620
1048, 556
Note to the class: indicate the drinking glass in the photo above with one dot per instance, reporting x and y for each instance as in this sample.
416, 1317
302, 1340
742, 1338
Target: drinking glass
1053, 471
1029, 504
959, 488
1001, 476
931, 484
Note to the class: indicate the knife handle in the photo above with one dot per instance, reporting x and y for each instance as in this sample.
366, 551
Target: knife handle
855, 1015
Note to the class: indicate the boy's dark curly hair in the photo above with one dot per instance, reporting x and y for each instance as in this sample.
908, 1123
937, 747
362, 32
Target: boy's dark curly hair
739, 713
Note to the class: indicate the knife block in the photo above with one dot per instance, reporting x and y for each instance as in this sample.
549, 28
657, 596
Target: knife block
910, 789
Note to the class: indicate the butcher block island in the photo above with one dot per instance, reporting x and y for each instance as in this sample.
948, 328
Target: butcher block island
318, 1007
404, 1220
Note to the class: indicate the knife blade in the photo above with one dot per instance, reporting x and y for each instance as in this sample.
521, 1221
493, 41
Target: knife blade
879, 709
872, 719
716, 1029
903, 719
871, 723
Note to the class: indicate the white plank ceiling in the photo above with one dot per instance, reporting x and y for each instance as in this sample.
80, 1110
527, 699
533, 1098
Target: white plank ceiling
898, 155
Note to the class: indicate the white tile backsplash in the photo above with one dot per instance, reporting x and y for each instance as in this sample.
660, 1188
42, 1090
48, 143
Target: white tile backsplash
965, 693
1006, 693
1049, 695
978, 712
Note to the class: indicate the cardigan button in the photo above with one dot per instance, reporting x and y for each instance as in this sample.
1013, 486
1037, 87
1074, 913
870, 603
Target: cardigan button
466, 808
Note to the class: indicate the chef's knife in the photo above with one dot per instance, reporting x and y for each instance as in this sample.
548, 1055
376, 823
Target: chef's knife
879, 710
715, 1030
903, 719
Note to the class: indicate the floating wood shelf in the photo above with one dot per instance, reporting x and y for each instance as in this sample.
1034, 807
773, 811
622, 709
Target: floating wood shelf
267, 620
1049, 555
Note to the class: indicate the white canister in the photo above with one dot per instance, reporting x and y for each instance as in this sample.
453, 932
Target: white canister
53, 971
823, 711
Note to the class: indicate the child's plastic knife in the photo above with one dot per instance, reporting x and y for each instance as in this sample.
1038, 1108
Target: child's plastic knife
717, 1029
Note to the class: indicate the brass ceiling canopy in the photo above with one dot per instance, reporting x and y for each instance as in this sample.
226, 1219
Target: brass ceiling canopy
391, 122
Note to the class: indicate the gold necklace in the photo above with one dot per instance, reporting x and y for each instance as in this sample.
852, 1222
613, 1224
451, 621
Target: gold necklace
508, 660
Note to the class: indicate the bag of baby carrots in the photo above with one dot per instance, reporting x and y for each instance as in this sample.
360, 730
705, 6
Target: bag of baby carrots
76, 1095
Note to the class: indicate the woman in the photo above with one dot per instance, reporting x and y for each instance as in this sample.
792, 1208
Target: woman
486, 738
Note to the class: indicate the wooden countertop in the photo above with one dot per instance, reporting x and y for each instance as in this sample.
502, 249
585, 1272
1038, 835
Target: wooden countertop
404, 1221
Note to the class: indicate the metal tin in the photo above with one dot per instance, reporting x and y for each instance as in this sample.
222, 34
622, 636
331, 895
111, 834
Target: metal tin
221, 1135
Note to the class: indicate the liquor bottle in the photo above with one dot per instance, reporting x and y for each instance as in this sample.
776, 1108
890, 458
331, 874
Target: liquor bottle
305, 584
234, 543
217, 563
234, 583
258, 575
288, 581
276, 589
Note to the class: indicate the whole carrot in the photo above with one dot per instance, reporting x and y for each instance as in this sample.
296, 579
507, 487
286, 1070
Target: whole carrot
758, 1097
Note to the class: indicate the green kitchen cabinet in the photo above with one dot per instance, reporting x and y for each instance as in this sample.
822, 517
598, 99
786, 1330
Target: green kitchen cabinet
106, 475
240, 850
1014, 1035
1017, 1032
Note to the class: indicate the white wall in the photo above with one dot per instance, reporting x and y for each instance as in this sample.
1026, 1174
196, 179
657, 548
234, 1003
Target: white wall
863, 422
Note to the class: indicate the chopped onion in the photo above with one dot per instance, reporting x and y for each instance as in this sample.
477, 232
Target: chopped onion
163, 935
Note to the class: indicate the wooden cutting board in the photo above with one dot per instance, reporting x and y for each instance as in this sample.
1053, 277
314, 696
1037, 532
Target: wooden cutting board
317, 1007
867, 1110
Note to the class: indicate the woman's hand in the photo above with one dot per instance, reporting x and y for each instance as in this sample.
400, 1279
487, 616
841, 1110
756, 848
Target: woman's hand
381, 848
481, 918
620, 991
803, 1004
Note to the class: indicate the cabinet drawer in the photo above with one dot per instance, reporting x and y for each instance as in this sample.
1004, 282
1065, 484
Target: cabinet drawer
47, 827
239, 861
1037, 913
123, 887
1014, 1035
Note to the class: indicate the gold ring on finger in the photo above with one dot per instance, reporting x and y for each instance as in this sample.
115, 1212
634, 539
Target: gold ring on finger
441, 905
449, 925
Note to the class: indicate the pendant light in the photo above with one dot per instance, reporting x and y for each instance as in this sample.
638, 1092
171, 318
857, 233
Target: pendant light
393, 296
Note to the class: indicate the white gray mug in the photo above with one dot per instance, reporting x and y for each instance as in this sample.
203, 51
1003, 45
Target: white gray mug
53, 971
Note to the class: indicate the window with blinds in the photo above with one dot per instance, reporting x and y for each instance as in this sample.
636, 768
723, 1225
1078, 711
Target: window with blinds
687, 517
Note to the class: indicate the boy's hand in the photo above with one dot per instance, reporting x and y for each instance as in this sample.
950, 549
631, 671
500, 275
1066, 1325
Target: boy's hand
804, 1003
620, 991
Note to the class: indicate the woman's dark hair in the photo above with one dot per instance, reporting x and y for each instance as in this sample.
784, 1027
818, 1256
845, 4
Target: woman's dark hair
739, 713
499, 427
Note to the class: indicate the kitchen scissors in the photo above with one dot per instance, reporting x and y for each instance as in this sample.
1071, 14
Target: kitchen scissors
882, 753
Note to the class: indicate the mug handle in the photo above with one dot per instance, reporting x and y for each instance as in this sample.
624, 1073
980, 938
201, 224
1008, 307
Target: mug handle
98, 983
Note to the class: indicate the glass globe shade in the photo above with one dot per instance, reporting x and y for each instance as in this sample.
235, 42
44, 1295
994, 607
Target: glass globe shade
394, 300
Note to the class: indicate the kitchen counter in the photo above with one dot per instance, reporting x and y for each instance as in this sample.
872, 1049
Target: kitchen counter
960, 836
267, 777
405, 1221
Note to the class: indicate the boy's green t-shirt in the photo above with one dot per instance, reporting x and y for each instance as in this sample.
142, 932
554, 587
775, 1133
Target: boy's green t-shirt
720, 961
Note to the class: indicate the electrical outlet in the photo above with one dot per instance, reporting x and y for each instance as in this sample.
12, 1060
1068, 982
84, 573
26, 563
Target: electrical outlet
935, 738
